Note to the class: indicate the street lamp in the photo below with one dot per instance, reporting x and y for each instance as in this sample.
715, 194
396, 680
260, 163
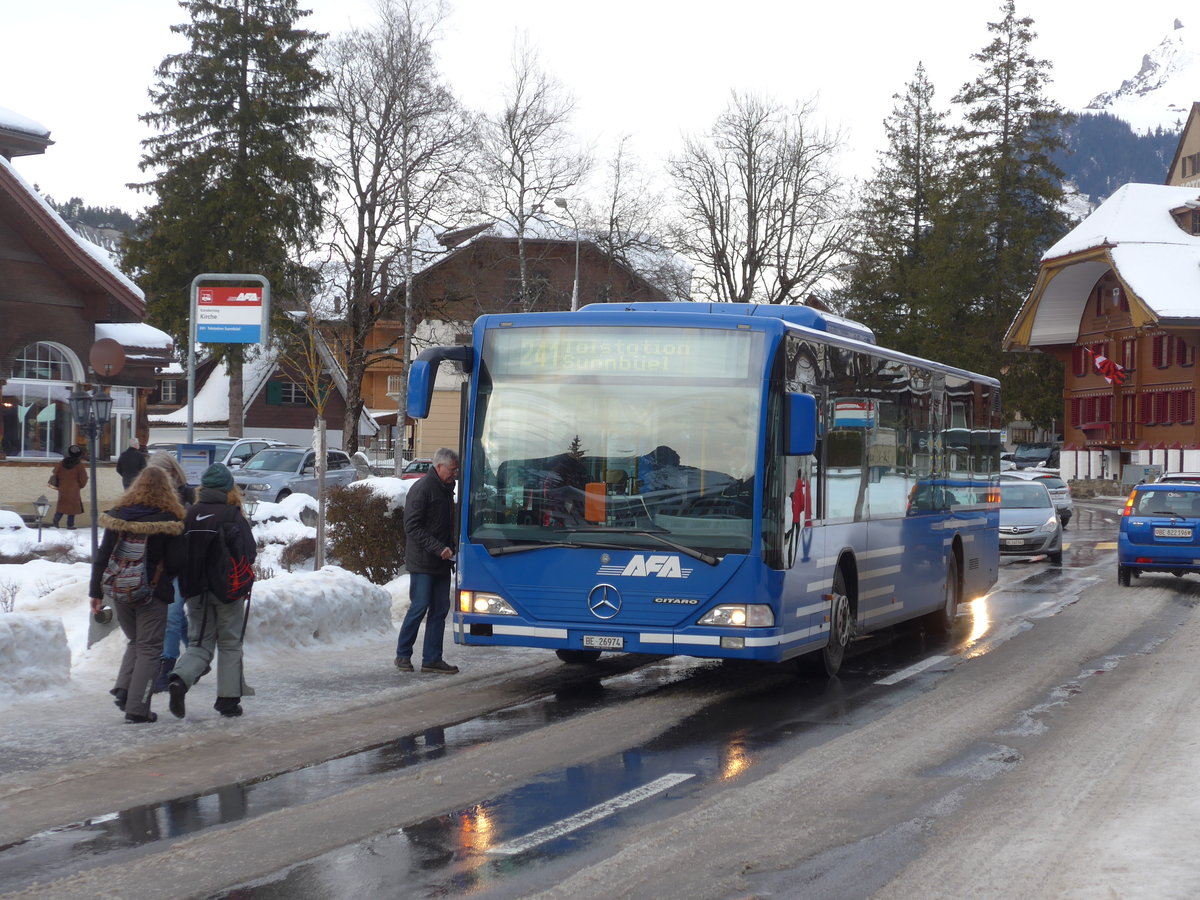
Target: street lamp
251, 508
561, 203
41, 506
91, 413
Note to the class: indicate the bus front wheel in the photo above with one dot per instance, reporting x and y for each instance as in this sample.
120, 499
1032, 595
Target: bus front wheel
578, 657
841, 630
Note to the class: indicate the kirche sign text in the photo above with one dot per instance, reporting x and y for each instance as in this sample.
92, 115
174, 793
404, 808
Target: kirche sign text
229, 315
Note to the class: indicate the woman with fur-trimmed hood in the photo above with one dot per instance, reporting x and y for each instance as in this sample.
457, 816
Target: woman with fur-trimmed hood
150, 509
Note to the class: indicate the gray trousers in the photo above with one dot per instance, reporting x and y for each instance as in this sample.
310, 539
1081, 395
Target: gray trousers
143, 626
214, 629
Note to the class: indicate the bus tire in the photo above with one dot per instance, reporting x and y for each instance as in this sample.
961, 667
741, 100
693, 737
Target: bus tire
841, 629
941, 621
578, 657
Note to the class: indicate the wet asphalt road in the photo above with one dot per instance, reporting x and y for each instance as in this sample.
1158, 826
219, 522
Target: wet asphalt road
746, 720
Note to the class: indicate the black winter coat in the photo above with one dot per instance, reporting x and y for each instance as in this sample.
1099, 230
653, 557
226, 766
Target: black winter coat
201, 528
164, 543
429, 525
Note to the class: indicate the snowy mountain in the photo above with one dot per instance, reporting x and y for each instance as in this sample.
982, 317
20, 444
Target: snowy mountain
1162, 91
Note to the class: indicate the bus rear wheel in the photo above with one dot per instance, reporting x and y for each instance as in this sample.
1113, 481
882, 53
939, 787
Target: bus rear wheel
578, 657
941, 621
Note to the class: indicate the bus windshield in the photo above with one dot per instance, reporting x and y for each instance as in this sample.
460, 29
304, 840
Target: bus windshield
616, 437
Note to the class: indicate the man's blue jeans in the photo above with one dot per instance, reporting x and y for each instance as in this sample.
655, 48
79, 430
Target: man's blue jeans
176, 632
429, 598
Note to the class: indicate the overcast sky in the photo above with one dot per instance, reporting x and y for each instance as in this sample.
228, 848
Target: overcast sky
654, 69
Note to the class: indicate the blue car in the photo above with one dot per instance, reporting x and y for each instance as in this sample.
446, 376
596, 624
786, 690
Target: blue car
1160, 531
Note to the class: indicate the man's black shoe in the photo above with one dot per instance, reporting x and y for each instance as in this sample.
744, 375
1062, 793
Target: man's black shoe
177, 689
404, 664
229, 707
131, 719
439, 667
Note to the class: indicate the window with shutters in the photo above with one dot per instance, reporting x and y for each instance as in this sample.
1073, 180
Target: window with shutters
1076, 412
1161, 351
1129, 354
1079, 361
1145, 409
1104, 409
1185, 352
1162, 408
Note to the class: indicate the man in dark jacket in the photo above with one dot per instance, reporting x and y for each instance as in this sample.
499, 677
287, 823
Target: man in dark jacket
429, 559
131, 461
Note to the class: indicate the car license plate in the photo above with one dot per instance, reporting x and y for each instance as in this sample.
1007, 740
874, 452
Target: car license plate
603, 642
1010, 542
1173, 532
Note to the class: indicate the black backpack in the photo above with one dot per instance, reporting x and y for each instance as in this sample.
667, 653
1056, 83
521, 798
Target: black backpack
223, 570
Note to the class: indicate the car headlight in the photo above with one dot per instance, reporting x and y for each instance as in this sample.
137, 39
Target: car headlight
1051, 524
484, 604
261, 486
749, 615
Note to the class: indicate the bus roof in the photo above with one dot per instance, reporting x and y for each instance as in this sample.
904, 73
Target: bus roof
797, 315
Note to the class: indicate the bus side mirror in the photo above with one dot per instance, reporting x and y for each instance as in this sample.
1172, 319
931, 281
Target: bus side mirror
801, 419
423, 371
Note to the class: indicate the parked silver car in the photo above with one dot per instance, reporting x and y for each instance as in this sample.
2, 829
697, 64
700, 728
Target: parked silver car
1029, 523
230, 451
274, 473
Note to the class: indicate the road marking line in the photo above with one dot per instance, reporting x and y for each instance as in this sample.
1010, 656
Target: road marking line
912, 670
1107, 545
588, 816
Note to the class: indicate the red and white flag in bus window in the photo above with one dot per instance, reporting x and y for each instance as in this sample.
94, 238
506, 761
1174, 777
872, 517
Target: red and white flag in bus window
1112, 372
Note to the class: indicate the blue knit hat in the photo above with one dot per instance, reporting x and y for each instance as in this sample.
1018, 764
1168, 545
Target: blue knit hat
217, 476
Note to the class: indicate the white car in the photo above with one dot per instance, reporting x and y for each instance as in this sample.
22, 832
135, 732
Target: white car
1060, 491
1179, 477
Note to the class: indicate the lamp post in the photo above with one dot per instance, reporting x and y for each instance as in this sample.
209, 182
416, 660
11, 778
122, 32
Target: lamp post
251, 508
91, 413
41, 506
561, 203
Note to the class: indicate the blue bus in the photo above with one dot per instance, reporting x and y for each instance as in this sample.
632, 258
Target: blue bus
713, 479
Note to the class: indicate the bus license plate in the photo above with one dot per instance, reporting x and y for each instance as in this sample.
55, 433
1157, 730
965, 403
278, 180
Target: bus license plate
1173, 532
603, 642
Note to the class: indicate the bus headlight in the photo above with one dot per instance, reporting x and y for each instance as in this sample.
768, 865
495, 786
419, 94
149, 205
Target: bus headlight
482, 604
749, 615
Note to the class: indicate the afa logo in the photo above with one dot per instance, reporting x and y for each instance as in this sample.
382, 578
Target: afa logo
642, 566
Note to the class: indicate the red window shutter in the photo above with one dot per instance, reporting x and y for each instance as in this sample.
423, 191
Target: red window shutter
1104, 413
1157, 351
1078, 364
1145, 409
1187, 407
1075, 412
1162, 408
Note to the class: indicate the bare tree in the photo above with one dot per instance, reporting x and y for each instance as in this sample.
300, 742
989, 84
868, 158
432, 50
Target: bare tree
525, 158
629, 225
763, 211
398, 138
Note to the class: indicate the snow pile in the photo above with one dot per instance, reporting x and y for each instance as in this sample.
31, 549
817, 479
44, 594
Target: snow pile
296, 610
44, 639
10, 521
34, 655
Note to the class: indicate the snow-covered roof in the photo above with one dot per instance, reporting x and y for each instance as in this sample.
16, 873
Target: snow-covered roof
212, 398
1132, 233
54, 220
134, 334
14, 121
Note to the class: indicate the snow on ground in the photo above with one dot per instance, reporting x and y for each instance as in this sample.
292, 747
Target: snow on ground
313, 640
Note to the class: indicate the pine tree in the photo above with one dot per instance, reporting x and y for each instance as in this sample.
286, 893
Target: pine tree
894, 219
1002, 212
236, 187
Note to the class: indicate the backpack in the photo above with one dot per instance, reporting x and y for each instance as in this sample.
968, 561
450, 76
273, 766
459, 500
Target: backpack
124, 577
231, 576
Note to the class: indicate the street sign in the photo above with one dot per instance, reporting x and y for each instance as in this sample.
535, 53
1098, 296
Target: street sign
230, 315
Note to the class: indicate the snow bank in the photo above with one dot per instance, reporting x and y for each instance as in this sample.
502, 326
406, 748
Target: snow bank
296, 610
34, 655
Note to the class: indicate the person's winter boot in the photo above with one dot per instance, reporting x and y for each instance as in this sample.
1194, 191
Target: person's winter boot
228, 706
165, 665
120, 697
177, 689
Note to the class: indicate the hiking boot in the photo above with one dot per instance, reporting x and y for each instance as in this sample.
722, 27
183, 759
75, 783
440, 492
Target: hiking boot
177, 689
131, 719
229, 707
439, 667
404, 664
120, 697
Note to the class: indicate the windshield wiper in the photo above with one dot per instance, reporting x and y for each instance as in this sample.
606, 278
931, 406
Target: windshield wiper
522, 548
657, 535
